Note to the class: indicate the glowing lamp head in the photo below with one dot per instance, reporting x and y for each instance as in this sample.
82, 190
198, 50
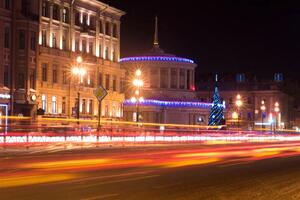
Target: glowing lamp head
137, 92
263, 108
238, 96
75, 70
138, 72
276, 104
277, 109
138, 83
238, 103
79, 59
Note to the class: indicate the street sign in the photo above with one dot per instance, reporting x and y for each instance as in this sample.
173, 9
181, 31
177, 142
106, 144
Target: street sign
100, 93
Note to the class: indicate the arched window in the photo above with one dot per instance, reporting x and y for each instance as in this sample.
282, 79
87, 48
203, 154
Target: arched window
107, 28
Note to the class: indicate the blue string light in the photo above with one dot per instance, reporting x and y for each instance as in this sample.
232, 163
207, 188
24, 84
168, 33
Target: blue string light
156, 58
152, 102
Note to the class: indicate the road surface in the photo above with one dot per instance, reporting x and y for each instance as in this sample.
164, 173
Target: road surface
178, 172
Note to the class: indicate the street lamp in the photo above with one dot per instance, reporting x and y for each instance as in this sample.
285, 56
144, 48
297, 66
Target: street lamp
138, 83
79, 72
263, 109
238, 104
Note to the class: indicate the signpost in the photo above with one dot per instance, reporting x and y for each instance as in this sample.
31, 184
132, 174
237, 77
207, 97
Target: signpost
100, 94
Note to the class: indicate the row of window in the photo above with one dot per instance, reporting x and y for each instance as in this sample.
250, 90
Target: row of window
85, 47
87, 80
81, 19
22, 39
86, 106
184, 78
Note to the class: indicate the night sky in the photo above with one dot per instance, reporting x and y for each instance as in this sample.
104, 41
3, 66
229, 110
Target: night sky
255, 36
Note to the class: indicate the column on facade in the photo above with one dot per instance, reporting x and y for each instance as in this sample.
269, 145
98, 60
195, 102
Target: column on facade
178, 78
49, 32
97, 50
185, 79
169, 78
61, 7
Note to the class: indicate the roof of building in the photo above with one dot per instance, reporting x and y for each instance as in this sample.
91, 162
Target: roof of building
156, 53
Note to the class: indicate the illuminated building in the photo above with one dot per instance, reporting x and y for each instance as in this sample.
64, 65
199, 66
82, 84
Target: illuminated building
168, 88
244, 96
45, 38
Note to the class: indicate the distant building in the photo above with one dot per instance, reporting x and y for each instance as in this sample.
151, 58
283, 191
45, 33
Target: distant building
41, 41
262, 99
168, 90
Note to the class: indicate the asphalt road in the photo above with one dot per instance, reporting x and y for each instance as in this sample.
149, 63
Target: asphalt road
181, 172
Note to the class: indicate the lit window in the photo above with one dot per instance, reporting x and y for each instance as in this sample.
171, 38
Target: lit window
54, 105
44, 102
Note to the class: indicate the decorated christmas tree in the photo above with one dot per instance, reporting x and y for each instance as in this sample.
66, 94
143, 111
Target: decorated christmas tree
216, 115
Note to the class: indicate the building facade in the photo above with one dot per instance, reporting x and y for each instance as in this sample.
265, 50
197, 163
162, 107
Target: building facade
48, 37
168, 89
252, 103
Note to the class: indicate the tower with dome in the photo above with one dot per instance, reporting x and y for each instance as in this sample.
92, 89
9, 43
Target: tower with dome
168, 91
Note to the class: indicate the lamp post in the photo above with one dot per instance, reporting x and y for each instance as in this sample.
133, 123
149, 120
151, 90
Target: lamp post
238, 104
138, 83
263, 109
79, 72
276, 109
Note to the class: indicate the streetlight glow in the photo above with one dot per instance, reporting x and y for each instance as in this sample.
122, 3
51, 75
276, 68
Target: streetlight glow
138, 72
79, 59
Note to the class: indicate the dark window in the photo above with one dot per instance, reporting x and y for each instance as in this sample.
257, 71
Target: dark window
100, 78
107, 81
114, 83
107, 28
7, 4
56, 12
164, 78
20, 80
63, 106
91, 47
32, 79
44, 72
65, 17
188, 79
154, 78
44, 38
6, 76
25, 9
174, 78
84, 19
33, 41
92, 23
84, 46
76, 45
65, 78
101, 26
21, 39
77, 18
6, 37
54, 74
115, 30
181, 78
122, 89
45, 8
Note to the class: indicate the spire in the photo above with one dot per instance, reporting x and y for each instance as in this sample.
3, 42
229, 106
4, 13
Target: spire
156, 33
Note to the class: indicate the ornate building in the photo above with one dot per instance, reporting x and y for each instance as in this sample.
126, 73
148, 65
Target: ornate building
168, 89
43, 40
